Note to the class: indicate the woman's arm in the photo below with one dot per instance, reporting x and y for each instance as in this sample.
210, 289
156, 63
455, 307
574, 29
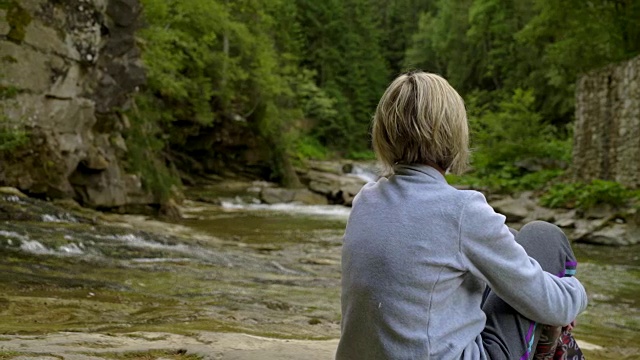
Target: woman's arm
490, 252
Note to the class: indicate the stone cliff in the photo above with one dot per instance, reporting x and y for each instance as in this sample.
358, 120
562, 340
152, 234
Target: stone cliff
607, 127
67, 69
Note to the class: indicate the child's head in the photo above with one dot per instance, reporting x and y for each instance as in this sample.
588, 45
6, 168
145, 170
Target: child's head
421, 119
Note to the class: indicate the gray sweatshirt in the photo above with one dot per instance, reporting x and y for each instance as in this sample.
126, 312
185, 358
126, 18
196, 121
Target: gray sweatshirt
416, 257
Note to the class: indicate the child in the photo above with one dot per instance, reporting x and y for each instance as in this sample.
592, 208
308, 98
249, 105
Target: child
418, 254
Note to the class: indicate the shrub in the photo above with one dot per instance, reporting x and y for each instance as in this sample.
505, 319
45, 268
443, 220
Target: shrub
145, 145
587, 195
511, 133
507, 180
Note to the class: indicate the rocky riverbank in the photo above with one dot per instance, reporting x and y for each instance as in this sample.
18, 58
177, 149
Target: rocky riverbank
233, 279
601, 225
339, 182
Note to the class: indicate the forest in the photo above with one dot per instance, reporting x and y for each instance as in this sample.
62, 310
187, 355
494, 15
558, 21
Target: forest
306, 75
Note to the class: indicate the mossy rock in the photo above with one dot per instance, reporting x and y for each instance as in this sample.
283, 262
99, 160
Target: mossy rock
18, 19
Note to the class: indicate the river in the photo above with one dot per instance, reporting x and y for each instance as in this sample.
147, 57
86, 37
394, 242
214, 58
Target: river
234, 267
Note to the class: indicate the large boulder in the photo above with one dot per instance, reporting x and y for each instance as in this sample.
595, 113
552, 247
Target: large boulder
522, 208
339, 182
617, 234
71, 67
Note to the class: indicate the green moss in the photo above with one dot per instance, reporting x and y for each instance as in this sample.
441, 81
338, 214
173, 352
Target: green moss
18, 19
9, 59
8, 92
10, 138
7, 354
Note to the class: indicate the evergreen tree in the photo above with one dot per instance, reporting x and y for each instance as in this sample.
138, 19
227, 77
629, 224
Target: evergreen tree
342, 45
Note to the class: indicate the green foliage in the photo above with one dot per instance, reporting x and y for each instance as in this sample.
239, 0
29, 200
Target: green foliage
398, 21
490, 50
145, 144
587, 195
314, 102
8, 92
542, 45
306, 75
11, 136
307, 147
572, 37
342, 44
513, 132
211, 61
507, 180
361, 155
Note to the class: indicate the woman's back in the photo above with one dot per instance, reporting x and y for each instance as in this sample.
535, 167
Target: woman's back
406, 292
418, 254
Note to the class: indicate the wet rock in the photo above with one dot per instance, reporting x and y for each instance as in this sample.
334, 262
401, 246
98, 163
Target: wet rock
308, 197
514, 209
565, 222
10, 191
340, 189
613, 234
584, 227
598, 211
565, 219
169, 210
277, 195
330, 262
271, 195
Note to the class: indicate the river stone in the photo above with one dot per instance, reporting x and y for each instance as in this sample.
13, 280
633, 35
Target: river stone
584, 227
598, 211
277, 195
565, 219
329, 167
513, 209
309, 197
565, 222
613, 234
11, 191
331, 184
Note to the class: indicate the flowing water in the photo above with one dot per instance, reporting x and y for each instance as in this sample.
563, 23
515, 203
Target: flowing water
234, 267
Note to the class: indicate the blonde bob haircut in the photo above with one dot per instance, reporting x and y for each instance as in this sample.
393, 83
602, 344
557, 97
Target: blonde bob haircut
421, 119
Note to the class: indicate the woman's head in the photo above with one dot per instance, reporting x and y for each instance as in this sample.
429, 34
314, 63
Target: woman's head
421, 119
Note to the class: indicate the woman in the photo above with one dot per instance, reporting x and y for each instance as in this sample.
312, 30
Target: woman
432, 272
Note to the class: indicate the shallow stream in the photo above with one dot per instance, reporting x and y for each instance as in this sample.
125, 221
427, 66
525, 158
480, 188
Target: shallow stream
234, 267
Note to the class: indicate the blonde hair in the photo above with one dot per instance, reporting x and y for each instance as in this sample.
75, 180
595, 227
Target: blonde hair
421, 119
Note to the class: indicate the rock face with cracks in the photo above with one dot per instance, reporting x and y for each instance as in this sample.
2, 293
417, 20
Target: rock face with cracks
68, 68
607, 126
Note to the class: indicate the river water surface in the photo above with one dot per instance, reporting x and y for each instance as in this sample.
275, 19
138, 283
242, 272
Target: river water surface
236, 267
